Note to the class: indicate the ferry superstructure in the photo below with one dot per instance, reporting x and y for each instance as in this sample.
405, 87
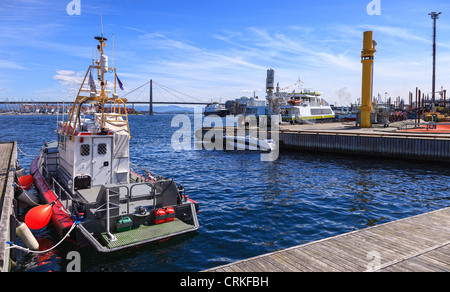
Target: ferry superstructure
215, 108
305, 106
296, 107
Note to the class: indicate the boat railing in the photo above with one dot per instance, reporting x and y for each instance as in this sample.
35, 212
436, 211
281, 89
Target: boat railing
109, 205
45, 172
143, 174
61, 194
67, 200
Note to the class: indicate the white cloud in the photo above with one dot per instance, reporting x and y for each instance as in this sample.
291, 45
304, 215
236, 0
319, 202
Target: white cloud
70, 80
236, 63
398, 33
229, 63
241, 61
4, 64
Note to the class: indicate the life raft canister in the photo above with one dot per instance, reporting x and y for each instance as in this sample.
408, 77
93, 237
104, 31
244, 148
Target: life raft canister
164, 215
160, 215
170, 214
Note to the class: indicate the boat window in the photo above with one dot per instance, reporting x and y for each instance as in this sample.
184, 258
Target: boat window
101, 149
321, 112
85, 149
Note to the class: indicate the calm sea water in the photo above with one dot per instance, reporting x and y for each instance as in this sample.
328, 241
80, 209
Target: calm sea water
247, 207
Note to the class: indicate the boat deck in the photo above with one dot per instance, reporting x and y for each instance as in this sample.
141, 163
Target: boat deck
143, 198
147, 233
419, 243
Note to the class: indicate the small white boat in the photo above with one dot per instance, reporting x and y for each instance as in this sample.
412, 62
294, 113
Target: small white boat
248, 143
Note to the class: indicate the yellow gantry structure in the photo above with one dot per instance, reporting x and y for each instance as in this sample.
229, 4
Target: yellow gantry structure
102, 99
367, 55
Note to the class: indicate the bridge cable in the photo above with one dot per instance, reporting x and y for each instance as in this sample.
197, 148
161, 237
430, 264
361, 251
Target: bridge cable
135, 89
168, 88
171, 93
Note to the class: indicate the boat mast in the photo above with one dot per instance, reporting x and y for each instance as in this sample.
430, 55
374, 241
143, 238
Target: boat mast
102, 67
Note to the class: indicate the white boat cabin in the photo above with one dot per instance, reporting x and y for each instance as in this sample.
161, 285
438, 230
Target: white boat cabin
91, 156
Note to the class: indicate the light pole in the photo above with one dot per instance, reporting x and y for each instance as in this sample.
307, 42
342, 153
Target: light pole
434, 16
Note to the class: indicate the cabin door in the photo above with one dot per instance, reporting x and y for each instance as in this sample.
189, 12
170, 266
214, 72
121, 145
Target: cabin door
101, 161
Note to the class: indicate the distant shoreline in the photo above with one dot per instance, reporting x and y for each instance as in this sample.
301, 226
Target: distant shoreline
135, 114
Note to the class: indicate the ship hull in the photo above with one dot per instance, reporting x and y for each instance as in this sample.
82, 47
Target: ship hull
60, 219
220, 113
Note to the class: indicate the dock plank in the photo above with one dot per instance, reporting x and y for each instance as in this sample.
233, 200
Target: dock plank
418, 243
289, 264
350, 261
302, 260
441, 254
268, 265
329, 262
8, 159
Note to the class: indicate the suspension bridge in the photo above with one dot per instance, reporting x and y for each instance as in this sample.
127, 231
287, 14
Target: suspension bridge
150, 93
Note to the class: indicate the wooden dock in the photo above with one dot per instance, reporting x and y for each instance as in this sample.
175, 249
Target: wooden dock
8, 161
415, 244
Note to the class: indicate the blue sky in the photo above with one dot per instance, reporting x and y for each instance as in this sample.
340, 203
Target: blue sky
221, 49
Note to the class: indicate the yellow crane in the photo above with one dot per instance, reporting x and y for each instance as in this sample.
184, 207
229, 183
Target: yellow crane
367, 55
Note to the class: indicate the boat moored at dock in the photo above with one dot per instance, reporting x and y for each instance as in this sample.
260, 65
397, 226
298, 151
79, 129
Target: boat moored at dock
249, 143
87, 178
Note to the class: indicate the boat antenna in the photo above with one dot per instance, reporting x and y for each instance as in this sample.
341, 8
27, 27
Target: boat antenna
101, 23
113, 51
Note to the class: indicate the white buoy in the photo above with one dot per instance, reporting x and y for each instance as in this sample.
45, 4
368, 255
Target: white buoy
27, 237
28, 198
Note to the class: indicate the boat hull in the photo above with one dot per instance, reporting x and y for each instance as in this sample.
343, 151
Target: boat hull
220, 113
302, 114
247, 143
60, 219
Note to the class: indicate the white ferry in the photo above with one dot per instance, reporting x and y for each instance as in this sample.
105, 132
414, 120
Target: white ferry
305, 106
215, 108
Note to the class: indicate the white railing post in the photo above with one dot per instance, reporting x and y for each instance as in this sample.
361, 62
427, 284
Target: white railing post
111, 237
